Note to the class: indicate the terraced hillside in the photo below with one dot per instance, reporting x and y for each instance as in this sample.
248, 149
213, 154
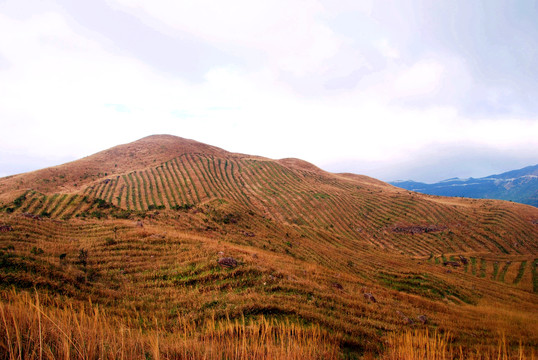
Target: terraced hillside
139, 228
358, 209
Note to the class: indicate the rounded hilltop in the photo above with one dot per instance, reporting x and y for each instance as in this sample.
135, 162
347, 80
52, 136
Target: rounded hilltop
142, 153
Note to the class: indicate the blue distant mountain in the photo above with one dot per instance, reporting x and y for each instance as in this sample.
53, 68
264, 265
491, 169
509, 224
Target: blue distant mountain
517, 185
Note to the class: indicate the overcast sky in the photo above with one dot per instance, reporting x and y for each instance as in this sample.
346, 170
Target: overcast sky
423, 90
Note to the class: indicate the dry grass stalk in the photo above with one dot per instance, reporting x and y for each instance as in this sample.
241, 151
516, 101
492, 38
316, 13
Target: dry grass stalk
422, 344
30, 331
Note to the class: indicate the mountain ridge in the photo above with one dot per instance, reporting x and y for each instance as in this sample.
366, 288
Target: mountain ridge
516, 185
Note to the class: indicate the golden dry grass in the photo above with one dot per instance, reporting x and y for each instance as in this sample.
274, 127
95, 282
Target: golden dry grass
421, 344
29, 330
142, 243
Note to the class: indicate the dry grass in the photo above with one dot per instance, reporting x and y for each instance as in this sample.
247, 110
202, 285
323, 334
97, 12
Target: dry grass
153, 217
421, 344
34, 328
161, 272
168, 173
30, 330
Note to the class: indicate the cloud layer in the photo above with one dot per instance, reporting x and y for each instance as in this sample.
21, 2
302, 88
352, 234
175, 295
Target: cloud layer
391, 91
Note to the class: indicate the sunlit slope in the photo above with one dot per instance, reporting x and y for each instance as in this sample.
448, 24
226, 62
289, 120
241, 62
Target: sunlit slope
359, 212
164, 269
71, 176
140, 238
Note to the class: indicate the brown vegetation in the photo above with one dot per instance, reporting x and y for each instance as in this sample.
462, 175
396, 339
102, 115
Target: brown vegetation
188, 251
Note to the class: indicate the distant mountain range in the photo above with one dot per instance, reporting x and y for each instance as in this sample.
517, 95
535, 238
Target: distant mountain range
517, 185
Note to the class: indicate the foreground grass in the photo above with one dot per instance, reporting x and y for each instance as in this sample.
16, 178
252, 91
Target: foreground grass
421, 344
29, 330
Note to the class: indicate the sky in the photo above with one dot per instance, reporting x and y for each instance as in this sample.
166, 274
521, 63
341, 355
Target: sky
422, 90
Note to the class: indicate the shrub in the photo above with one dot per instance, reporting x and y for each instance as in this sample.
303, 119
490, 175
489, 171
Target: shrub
184, 207
37, 251
92, 275
121, 214
18, 201
156, 207
97, 214
101, 204
83, 257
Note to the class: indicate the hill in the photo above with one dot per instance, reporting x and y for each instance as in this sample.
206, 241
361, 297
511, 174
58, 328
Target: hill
517, 185
177, 243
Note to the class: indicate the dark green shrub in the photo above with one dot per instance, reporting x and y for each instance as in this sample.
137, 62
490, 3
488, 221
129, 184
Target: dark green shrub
97, 214
18, 201
121, 214
102, 204
37, 251
184, 207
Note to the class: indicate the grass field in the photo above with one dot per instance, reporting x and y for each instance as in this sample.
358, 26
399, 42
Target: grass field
117, 256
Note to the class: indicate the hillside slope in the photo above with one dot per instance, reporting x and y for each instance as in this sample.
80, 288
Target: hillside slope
517, 185
141, 237
119, 159
173, 173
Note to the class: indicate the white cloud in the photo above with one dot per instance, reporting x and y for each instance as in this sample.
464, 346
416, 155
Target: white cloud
339, 6
388, 50
58, 83
290, 34
65, 93
423, 78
